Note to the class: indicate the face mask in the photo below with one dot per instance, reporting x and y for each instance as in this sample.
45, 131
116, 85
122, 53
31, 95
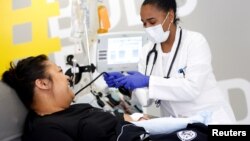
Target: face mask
157, 34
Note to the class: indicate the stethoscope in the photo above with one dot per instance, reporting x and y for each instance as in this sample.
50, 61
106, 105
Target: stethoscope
154, 52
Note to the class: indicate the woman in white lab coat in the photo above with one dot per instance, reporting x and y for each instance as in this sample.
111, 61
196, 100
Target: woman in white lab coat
175, 68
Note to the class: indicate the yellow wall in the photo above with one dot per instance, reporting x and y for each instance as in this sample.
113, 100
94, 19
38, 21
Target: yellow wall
37, 14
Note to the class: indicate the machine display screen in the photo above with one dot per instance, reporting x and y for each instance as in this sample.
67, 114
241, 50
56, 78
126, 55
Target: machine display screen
119, 51
123, 50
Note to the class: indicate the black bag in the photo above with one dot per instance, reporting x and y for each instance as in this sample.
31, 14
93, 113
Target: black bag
129, 132
193, 132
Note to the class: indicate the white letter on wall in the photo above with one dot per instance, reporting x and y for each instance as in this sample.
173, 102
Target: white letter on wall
130, 9
115, 12
187, 8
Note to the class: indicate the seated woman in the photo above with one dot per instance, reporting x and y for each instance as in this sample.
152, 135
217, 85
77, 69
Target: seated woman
43, 88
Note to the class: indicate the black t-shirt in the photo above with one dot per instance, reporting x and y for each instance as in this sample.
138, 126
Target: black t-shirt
80, 122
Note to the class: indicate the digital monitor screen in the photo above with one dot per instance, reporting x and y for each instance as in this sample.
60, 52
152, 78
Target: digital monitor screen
119, 51
123, 50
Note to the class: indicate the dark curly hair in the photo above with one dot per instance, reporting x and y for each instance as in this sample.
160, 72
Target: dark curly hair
21, 77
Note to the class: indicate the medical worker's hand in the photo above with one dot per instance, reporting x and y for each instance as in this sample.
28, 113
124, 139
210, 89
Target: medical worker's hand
132, 81
110, 77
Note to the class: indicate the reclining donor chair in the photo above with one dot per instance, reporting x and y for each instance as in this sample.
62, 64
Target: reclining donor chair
12, 116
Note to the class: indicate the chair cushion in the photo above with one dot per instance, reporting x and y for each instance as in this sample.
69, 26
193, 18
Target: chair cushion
12, 115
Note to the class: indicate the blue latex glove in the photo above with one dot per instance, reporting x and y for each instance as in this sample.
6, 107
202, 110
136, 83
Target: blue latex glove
132, 81
110, 77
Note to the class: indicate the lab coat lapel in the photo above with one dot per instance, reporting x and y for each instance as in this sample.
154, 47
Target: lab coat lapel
171, 55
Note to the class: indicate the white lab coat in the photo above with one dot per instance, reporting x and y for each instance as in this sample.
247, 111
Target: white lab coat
197, 91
